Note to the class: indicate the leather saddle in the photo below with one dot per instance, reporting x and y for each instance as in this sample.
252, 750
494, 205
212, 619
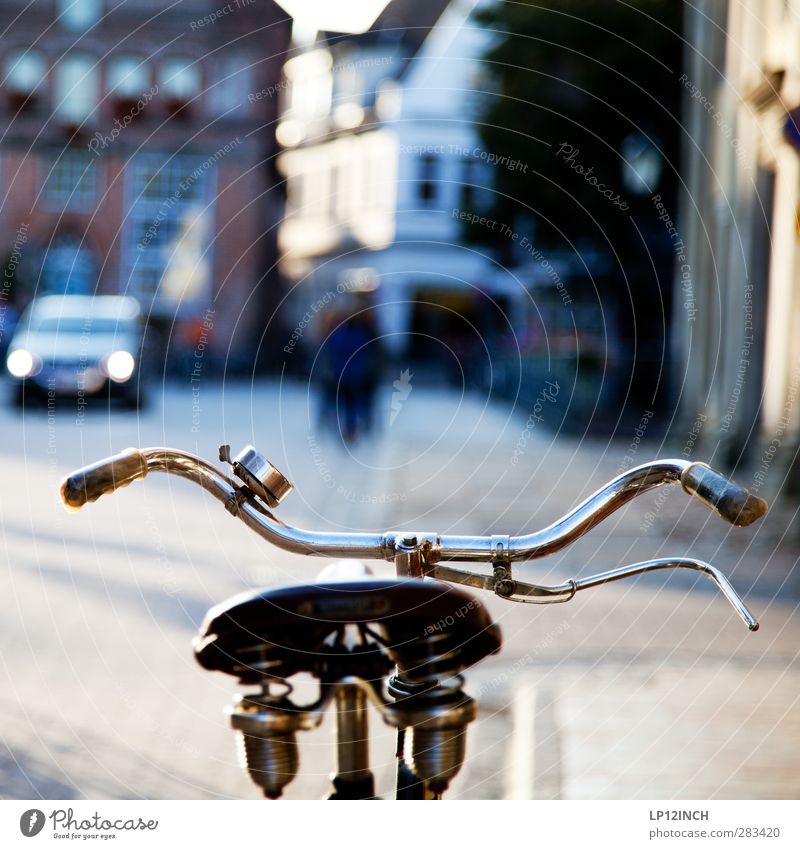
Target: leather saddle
427, 628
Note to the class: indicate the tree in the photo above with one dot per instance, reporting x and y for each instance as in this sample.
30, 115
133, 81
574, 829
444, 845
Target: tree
571, 79
569, 82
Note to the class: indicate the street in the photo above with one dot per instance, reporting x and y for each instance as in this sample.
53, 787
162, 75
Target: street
651, 688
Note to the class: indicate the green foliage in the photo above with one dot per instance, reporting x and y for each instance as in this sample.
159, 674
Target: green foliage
586, 73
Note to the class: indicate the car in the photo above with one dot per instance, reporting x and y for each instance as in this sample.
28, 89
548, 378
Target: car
78, 345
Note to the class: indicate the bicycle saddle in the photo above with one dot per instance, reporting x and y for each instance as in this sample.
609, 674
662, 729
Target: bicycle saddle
427, 628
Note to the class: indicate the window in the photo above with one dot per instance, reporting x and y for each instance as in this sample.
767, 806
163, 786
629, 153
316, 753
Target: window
72, 181
427, 180
78, 14
309, 86
167, 198
334, 193
178, 178
294, 194
179, 79
76, 88
69, 267
24, 70
378, 190
233, 83
468, 180
128, 77
317, 192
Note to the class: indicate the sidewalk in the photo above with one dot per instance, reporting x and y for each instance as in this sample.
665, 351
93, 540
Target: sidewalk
650, 688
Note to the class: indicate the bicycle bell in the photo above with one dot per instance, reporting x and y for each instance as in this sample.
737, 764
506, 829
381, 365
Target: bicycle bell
258, 474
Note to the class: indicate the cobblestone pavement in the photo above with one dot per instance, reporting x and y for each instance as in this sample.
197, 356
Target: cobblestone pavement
647, 689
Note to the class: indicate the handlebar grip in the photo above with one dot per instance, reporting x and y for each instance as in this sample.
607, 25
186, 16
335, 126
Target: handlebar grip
733, 502
90, 482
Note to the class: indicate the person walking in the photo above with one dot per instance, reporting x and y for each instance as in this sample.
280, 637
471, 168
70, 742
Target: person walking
352, 360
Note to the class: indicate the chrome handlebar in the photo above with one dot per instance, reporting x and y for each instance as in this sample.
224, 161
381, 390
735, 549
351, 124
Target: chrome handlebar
422, 554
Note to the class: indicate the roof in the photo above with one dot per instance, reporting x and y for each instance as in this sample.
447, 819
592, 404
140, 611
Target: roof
405, 23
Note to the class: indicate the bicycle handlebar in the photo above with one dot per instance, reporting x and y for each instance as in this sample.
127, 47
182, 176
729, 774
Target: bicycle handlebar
730, 501
103, 477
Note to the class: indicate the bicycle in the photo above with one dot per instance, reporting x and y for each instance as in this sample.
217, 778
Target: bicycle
399, 644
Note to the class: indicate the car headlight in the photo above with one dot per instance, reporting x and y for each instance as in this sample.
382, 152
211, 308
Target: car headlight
21, 363
120, 365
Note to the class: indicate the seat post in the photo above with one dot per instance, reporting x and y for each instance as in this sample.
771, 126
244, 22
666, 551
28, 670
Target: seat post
409, 563
408, 785
353, 779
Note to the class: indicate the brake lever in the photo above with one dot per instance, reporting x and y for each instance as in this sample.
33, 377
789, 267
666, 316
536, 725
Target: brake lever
502, 584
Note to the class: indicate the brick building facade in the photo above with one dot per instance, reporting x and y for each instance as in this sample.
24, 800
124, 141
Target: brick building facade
136, 148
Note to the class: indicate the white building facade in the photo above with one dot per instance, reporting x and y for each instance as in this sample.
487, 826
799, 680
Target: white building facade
738, 363
384, 166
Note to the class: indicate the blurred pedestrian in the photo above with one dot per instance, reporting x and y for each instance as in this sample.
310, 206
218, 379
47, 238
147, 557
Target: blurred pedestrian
368, 359
324, 370
350, 376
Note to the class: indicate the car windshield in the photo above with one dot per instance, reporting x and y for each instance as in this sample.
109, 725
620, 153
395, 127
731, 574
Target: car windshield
80, 325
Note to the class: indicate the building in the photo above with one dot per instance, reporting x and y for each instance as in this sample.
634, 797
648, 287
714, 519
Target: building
136, 157
737, 327
384, 170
